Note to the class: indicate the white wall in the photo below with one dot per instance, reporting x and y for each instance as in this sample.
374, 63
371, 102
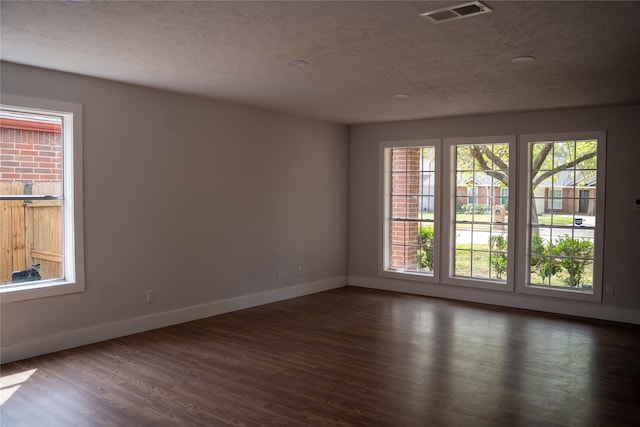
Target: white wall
197, 199
622, 222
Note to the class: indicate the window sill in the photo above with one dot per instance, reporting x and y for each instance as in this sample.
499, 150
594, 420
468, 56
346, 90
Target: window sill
42, 289
593, 295
470, 282
408, 275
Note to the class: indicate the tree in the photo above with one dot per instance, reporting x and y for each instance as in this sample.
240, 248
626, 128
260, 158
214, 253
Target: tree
548, 160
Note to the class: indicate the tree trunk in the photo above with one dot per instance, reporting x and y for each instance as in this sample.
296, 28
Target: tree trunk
535, 229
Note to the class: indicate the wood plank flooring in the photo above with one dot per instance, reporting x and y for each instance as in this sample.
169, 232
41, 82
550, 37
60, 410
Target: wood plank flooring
347, 357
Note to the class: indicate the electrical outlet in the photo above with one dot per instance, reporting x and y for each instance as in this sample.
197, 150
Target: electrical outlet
299, 270
608, 289
150, 295
280, 272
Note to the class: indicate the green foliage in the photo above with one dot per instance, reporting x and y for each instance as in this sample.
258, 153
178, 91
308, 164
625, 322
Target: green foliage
498, 244
574, 255
425, 252
566, 256
541, 263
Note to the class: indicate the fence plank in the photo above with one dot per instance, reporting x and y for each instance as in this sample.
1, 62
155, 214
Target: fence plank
31, 232
6, 242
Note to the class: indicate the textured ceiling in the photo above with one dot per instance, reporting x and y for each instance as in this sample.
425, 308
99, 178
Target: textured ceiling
359, 53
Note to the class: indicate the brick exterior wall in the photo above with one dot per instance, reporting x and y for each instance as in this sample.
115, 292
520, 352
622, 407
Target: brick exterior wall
30, 156
405, 187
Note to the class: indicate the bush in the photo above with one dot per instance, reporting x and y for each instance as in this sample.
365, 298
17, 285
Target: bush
541, 263
498, 244
566, 255
575, 255
425, 253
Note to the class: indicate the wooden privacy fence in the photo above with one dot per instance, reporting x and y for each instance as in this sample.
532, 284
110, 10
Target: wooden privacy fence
31, 232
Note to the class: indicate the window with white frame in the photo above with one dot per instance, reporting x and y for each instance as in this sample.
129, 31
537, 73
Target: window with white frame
559, 200
410, 207
479, 245
40, 193
564, 242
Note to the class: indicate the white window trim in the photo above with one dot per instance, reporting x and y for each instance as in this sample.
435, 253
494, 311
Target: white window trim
448, 211
385, 211
73, 281
524, 214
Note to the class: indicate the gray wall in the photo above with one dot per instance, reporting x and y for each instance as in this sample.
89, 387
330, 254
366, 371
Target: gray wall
203, 200
622, 222
200, 200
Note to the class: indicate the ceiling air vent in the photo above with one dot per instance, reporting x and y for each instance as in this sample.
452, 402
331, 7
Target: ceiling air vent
456, 12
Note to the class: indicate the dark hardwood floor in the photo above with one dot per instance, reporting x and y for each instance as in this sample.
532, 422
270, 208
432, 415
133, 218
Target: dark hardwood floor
344, 357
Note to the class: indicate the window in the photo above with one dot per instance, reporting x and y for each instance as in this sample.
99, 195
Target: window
40, 193
478, 234
564, 242
472, 195
559, 205
504, 195
554, 199
410, 207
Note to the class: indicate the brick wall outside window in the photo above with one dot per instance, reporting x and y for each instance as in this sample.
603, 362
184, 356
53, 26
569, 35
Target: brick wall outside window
405, 188
30, 156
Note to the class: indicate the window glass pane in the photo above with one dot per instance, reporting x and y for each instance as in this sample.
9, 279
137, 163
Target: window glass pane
541, 159
482, 180
412, 206
562, 235
426, 247
31, 229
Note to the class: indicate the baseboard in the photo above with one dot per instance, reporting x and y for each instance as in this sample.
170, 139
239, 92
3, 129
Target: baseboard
103, 332
513, 300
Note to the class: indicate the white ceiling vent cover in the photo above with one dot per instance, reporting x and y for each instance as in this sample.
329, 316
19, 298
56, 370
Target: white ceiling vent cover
456, 12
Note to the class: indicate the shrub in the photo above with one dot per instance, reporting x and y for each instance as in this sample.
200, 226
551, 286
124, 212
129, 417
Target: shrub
425, 253
566, 255
498, 244
575, 255
541, 263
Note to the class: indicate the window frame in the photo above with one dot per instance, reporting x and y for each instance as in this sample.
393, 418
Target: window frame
73, 245
448, 212
524, 217
385, 209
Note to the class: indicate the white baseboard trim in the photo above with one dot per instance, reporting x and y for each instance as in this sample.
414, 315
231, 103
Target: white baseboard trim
513, 300
103, 332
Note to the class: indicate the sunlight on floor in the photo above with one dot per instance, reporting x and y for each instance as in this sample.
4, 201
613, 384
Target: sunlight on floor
11, 383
